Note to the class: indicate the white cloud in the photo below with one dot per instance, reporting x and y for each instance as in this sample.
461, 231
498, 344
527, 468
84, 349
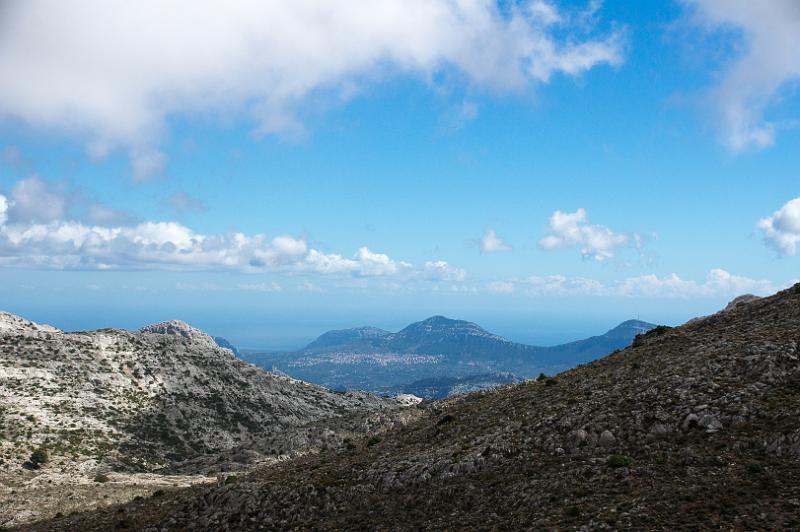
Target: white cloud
782, 229
260, 287
442, 271
501, 287
570, 229
32, 201
491, 243
768, 62
378, 263
718, 282
33, 234
3, 210
116, 71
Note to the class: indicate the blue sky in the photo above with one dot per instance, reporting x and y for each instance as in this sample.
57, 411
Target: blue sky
546, 169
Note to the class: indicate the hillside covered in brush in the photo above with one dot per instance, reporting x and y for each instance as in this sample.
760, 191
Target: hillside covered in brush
695, 427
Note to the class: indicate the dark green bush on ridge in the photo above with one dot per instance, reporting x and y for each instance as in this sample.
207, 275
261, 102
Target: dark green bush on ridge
39, 457
619, 460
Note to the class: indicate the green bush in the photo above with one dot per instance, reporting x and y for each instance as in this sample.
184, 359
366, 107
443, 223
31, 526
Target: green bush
619, 460
101, 478
373, 440
39, 457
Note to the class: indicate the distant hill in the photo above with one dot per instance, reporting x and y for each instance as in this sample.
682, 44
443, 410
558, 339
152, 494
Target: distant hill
692, 428
441, 348
589, 349
359, 338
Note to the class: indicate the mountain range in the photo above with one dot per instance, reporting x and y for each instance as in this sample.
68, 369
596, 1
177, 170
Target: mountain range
690, 428
380, 361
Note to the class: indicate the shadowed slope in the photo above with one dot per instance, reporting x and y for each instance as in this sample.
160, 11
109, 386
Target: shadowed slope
695, 427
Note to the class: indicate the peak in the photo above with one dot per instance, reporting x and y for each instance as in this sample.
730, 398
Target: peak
368, 329
179, 328
439, 319
169, 327
740, 300
442, 324
12, 322
634, 324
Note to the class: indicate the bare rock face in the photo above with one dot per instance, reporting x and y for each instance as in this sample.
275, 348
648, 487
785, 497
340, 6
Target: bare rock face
183, 330
736, 303
407, 399
158, 398
10, 324
740, 300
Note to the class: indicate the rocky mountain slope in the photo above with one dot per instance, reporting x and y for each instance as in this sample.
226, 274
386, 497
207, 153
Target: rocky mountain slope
164, 399
373, 359
695, 427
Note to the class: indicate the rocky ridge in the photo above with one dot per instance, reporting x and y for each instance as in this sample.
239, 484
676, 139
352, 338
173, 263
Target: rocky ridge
164, 400
694, 427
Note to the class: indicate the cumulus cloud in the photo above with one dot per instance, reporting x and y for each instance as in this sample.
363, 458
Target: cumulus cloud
378, 263
39, 237
491, 243
769, 33
718, 282
782, 229
116, 71
442, 271
569, 229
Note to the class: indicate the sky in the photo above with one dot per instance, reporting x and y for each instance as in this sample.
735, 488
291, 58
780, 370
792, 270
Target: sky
270, 170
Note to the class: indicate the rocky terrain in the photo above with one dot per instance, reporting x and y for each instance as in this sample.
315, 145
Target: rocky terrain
130, 410
695, 427
438, 348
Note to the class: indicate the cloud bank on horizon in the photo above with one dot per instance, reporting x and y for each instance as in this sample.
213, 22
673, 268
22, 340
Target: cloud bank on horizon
35, 232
